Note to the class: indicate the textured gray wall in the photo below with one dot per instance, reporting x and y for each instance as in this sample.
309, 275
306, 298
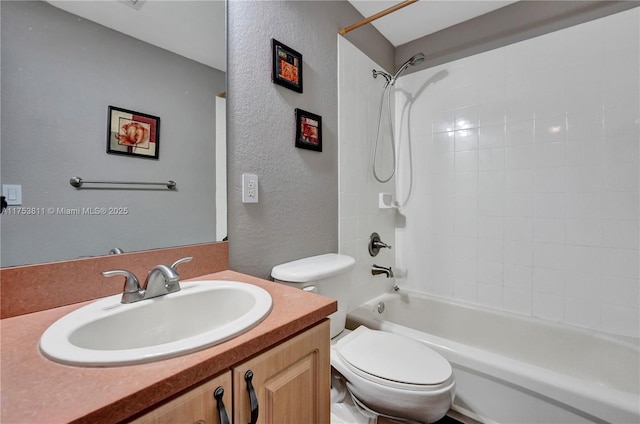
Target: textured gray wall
59, 75
298, 189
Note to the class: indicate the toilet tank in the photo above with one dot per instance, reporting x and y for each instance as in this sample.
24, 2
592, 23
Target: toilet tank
329, 275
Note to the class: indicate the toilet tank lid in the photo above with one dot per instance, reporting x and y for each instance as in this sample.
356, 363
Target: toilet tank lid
313, 268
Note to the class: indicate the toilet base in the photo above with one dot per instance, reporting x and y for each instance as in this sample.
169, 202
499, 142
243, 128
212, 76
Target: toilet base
346, 408
378, 417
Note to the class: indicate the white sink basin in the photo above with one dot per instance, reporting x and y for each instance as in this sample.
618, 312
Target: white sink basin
109, 333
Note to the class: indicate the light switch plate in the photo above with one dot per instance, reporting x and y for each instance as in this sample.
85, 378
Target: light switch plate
12, 194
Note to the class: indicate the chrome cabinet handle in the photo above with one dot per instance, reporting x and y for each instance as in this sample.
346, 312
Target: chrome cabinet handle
248, 376
222, 412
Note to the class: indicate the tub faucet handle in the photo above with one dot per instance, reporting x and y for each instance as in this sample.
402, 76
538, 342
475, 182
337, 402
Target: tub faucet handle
376, 243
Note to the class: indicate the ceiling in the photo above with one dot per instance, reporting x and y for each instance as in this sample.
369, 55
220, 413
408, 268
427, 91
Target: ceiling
424, 17
168, 23
165, 24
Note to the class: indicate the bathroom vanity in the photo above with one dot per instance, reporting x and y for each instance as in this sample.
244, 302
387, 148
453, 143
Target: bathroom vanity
290, 381
288, 354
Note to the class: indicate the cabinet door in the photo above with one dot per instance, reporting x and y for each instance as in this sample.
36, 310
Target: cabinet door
197, 406
291, 381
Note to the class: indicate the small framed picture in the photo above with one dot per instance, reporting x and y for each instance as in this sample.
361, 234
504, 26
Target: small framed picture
132, 133
308, 130
287, 66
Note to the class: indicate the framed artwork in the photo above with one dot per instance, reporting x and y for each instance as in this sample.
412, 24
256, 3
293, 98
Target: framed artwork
287, 66
308, 130
132, 133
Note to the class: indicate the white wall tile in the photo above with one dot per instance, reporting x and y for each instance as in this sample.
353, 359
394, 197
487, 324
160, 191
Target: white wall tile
549, 255
621, 234
491, 296
491, 227
623, 205
491, 181
518, 228
582, 179
621, 291
548, 306
519, 180
550, 155
548, 280
466, 139
519, 277
518, 205
549, 205
519, 132
527, 192
620, 319
466, 161
491, 135
550, 129
549, 230
518, 253
517, 300
550, 180
582, 312
584, 232
491, 159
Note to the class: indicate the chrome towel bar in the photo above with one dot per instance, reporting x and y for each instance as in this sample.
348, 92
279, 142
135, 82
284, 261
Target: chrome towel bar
77, 182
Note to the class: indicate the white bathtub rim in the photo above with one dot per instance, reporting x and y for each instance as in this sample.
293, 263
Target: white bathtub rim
589, 397
627, 341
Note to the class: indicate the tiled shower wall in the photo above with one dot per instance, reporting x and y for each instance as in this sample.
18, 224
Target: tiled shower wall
524, 193
358, 104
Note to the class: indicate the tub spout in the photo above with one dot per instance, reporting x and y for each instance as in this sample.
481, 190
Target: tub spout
377, 269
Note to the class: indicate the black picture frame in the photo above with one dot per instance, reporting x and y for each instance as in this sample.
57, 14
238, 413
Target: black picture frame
286, 66
308, 130
131, 133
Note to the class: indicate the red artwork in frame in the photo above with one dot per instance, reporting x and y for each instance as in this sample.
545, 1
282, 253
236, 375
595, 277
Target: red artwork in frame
308, 130
287, 66
132, 133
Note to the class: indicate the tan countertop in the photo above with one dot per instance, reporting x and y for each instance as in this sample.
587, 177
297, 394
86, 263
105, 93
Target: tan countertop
37, 390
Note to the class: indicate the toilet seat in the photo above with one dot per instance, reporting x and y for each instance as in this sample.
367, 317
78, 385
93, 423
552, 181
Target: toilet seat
393, 361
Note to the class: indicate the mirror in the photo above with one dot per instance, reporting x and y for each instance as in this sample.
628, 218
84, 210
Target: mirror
63, 64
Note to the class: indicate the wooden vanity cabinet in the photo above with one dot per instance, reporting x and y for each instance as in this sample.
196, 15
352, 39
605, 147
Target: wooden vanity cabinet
290, 383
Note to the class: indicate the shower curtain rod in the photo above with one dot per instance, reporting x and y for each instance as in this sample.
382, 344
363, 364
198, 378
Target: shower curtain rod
372, 18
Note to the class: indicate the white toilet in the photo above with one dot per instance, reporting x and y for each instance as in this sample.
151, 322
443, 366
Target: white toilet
387, 374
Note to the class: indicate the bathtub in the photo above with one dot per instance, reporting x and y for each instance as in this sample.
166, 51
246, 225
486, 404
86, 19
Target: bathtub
516, 369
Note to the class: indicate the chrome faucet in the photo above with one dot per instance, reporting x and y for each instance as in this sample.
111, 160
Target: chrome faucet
377, 269
160, 280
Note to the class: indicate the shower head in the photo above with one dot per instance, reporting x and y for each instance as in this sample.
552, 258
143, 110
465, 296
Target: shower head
413, 61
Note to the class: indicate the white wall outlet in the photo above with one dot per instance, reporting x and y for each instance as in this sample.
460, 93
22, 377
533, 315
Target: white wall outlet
12, 194
249, 188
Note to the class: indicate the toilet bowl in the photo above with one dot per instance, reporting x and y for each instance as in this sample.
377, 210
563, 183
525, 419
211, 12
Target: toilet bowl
393, 375
386, 374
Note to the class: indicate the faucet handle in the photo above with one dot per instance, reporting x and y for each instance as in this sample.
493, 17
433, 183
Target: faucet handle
375, 244
181, 261
131, 284
131, 292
